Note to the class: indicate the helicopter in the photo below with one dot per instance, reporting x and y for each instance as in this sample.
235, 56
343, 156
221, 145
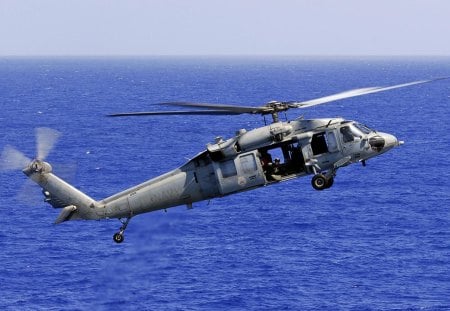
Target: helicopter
276, 152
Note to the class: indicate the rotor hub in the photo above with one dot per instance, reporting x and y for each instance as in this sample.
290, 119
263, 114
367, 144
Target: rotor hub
39, 167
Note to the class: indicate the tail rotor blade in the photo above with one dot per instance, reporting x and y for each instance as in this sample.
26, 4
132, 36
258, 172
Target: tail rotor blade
13, 159
46, 138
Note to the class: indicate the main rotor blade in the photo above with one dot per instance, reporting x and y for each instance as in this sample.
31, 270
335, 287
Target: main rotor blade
182, 112
354, 93
45, 140
13, 159
231, 108
270, 107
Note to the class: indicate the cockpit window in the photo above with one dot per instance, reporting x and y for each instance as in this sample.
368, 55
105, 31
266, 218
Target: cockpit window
362, 128
347, 135
350, 132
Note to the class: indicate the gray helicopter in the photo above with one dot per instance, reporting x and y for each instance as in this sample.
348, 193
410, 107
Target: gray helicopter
270, 154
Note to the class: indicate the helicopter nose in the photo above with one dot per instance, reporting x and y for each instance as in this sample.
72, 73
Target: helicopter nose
390, 141
383, 142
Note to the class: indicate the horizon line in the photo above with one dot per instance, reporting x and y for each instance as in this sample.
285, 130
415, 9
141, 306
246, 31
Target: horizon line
221, 55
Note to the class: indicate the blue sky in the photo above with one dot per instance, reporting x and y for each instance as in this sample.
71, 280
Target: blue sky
227, 27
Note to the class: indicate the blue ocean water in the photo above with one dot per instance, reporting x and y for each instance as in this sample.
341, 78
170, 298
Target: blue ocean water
379, 239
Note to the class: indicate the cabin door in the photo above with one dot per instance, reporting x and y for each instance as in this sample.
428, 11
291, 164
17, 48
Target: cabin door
240, 173
250, 170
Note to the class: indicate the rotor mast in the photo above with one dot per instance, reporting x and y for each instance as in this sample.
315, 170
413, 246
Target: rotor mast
274, 108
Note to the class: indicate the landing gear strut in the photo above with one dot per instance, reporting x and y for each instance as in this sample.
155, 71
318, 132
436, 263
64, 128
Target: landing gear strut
118, 237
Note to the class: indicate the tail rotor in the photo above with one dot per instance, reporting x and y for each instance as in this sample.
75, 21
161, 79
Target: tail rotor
46, 139
13, 159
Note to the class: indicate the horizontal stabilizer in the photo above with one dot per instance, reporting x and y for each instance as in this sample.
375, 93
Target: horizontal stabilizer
65, 214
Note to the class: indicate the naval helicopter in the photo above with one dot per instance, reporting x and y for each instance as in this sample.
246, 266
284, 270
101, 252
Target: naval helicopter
316, 147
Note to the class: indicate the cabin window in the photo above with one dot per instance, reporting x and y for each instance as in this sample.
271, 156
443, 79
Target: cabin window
228, 169
332, 143
319, 144
248, 164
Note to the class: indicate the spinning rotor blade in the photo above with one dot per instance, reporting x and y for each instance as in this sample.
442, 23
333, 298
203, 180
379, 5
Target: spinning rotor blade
353, 93
45, 140
272, 107
217, 109
183, 112
13, 159
229, 108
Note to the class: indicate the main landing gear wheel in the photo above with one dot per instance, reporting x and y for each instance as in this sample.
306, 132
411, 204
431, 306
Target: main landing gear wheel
320, 182
118, 237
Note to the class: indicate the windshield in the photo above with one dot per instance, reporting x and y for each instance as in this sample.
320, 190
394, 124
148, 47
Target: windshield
362, 128
352, 131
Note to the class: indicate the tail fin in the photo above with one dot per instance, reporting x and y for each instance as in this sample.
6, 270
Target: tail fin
60, 194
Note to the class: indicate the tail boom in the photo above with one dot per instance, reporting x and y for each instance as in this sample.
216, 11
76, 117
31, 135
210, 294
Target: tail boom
76, 204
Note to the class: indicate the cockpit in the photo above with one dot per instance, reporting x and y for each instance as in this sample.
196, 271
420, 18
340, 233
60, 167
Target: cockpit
354, 130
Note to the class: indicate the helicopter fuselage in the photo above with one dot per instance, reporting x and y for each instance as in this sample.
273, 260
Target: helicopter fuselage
260, 157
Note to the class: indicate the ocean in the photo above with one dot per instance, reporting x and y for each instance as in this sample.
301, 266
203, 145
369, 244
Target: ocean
379, 239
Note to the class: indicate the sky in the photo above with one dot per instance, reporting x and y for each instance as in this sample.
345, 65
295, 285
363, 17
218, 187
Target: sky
224, 27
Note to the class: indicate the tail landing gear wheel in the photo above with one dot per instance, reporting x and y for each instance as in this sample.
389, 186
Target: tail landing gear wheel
118, 237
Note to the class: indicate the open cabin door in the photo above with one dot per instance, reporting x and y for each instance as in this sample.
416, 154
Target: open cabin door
240, 173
